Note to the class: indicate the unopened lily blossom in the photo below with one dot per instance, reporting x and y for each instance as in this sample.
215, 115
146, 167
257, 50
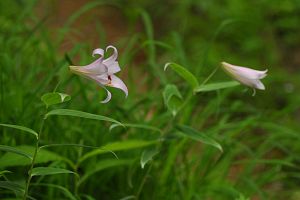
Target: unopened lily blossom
246, 76
102, 71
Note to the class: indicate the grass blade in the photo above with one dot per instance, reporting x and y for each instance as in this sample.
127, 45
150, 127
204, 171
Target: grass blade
104, 164
196, 135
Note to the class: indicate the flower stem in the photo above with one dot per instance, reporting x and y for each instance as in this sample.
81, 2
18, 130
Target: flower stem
33, 159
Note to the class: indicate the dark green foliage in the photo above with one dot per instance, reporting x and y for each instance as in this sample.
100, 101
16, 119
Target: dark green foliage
189, 132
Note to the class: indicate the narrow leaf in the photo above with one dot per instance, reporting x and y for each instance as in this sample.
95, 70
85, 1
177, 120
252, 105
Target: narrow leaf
141, 126
64, 190
22, 128
184, 73
11, 159
42, 171
196, 135
55, 98
15, 151
4, 172
216, 86
147, 156
77, 113
117, 146
12, 186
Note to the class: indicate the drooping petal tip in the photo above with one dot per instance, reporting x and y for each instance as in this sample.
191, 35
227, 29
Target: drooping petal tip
98, 51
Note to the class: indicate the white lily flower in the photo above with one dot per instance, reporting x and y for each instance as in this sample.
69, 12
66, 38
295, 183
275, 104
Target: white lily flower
246, 76
102, 71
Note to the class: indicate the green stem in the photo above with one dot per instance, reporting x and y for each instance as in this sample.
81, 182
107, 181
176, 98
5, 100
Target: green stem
143, 182
33, 160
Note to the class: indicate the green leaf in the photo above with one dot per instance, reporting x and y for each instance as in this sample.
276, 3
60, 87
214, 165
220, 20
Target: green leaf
104, 164
55, 98
242, 197
141, 126
77, 113
172, 98
216, 86
196, 135
43, 156
43, 171
15, 151
12, 186
117, 146
64, 190
22, 128
147, 155
184, 73
4, 172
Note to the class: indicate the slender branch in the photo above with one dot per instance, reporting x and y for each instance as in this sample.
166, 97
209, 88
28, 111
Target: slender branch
33, 159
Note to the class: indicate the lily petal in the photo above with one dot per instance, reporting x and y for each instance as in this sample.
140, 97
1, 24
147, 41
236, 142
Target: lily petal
112, 67
114, 56
246, 76
118, 83
259, 85
108, 97
242, 71
98, 52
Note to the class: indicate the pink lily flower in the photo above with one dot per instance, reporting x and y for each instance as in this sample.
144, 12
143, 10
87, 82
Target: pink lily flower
246, 76
102, 71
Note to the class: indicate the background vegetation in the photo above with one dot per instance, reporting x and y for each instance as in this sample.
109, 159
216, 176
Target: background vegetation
259, 135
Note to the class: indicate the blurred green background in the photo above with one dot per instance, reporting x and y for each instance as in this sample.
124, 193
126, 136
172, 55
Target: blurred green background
259, 135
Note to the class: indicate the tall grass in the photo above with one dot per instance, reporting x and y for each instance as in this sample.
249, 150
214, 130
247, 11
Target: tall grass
174, 137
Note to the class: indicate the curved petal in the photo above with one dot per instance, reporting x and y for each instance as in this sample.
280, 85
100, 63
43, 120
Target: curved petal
118, 83
114, 56
98, 52
108, 97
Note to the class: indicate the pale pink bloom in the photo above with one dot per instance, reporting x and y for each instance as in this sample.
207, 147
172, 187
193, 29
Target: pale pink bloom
246, 76
102, 71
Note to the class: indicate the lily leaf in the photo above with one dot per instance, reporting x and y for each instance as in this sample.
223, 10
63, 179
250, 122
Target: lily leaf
11, 159
172, 98
147, 156
216, 86
184, 73
22, 128
77, 113
15, 151
42, 171
55, 98
117, 146
196, 135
